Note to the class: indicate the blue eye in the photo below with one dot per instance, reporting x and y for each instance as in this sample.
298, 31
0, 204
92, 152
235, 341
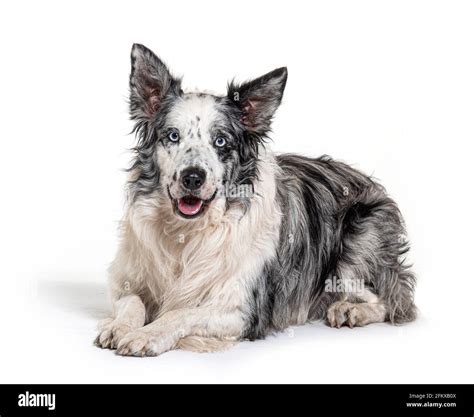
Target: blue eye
173, 136
220, 142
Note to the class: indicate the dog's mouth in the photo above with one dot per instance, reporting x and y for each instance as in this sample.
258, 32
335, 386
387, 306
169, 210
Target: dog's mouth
190, 206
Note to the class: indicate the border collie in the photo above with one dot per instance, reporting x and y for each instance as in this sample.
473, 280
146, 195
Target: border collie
224, 241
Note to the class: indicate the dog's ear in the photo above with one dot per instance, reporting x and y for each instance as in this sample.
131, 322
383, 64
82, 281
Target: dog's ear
258, 99
150, 82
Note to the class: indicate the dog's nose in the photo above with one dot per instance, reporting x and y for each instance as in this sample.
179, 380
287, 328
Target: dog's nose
193, 178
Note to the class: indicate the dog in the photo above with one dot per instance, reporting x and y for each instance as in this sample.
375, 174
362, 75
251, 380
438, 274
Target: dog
224, 241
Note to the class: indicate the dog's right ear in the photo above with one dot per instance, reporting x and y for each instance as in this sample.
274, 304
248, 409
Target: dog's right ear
150, 83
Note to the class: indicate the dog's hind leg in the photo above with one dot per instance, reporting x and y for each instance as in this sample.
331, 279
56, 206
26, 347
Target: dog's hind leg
386, 297
356, 303
372, 261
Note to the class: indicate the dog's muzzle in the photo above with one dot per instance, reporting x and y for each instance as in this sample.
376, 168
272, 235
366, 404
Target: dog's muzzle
190, 202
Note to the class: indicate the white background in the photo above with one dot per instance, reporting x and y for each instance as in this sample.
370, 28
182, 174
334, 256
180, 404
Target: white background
385, 86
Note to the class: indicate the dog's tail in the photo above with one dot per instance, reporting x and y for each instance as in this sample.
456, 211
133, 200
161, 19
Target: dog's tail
204, 344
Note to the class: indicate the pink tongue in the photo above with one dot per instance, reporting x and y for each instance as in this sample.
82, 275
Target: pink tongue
189, 206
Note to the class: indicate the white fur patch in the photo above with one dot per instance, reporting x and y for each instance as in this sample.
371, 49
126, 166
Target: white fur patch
196, 273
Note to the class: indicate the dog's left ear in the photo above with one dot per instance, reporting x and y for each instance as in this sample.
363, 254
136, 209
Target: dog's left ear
258, 99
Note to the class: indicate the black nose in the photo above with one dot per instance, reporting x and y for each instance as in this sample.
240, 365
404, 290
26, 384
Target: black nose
193, 178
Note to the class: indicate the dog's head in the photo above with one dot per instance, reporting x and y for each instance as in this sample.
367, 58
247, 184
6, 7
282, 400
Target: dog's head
196, 148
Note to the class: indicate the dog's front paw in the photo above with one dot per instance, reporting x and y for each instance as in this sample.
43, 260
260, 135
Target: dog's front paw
145, 343
111, 333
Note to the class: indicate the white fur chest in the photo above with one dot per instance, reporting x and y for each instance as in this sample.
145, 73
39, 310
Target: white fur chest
213, 261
